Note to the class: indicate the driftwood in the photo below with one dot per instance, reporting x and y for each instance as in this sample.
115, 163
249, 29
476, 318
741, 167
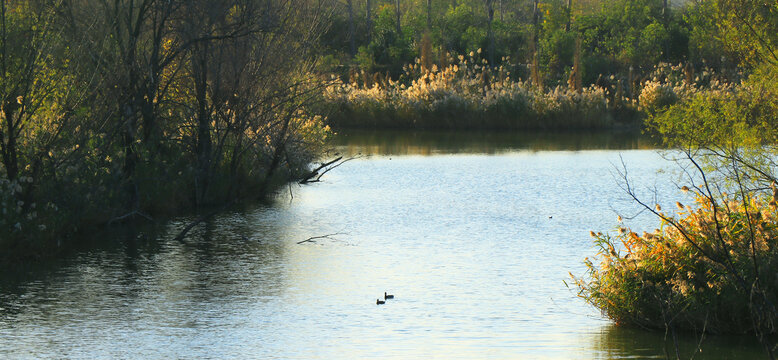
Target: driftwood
313, 238
316, 174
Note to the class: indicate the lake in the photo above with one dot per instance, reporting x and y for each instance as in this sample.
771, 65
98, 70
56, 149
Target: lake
474, 234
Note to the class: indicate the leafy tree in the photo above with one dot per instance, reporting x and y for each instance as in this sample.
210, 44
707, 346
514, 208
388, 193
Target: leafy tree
389, 50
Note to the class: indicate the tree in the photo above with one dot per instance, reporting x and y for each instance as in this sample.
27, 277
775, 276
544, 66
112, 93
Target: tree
352, 41
490, 17
397, 14
29, 79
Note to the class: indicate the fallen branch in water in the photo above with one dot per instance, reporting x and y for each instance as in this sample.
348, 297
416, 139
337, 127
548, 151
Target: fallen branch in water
313, 238
315, 176
202, 218
133, 213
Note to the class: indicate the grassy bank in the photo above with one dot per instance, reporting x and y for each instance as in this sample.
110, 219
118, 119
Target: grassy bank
469, 94
40, 214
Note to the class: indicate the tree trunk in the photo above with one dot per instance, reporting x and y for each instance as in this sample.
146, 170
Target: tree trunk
351, 34
277, 153
129, 123
664, 9
397, 12
569, 15
204, 143
429, 15
490, 14
8, 146
369, 16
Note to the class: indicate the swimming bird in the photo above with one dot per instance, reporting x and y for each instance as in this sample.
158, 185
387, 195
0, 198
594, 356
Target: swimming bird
379, 302
388, 296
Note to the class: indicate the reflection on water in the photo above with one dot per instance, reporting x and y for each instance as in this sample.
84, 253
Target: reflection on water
475, 247
615, 342
387, 142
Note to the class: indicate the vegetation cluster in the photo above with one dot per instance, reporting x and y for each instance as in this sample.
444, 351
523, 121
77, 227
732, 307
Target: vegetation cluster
693, 271
562, 54
124, 110
712, 267
470, 94
466, 94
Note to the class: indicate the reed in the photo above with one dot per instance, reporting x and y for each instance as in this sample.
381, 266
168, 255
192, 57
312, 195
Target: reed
712, 268
467, 93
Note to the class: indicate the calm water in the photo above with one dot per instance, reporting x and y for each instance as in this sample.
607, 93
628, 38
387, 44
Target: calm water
475, 235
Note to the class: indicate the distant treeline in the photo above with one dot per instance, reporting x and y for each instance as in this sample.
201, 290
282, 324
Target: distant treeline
524, 64
538, 38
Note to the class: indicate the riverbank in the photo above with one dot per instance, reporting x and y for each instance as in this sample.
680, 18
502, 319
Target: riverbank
469, 94
40, 219
48, 231
710, 265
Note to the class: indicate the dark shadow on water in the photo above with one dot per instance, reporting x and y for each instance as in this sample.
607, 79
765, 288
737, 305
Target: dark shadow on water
122, 262
399, 142
619, 342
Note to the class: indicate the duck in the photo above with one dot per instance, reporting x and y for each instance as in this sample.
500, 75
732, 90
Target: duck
379, 302
388, 296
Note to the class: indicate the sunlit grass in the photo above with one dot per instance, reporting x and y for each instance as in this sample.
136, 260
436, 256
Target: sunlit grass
700, 270
468, 93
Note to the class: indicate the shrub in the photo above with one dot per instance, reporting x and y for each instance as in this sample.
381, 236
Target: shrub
466, 94
704, 269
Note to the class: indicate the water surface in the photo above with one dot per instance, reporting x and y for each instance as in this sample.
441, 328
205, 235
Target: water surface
474, 234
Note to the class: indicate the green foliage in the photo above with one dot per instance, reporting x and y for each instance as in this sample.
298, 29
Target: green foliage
712, 266
749, 28
556, 54
616, 35
632, 32
457, 22
388, 51
726, 117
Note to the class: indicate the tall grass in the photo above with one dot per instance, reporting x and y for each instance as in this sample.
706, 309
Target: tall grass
468, 93
465, 94
713, 267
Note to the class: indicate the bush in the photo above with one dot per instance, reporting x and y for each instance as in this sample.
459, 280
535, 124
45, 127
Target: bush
696, 271
466, 94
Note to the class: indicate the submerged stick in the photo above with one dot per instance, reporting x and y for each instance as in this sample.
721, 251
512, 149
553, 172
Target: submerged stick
312, 238
202, 218
326, 167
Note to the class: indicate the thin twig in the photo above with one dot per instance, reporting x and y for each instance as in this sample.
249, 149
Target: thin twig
312, 238
202, 218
